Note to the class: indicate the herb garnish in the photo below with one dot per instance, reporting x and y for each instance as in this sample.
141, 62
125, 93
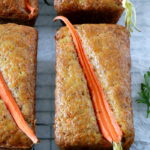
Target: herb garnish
145, 92
130, 15
117, 146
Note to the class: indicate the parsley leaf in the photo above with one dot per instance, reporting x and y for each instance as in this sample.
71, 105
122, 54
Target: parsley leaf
144, 95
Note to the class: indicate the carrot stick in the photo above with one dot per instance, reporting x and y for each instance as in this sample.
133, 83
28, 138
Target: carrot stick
106, 120
30, 8
14, 110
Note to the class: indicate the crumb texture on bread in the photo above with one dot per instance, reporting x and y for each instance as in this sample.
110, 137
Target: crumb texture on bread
18, 46
107, 47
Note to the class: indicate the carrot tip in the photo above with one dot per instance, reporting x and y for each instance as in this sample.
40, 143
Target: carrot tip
56, 18
31, 13
31, 9
36, 141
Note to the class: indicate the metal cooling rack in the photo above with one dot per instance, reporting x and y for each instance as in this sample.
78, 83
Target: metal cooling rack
45, 106
45, 78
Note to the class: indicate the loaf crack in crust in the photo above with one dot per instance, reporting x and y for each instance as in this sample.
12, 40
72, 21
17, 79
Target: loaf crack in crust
107, 47
18, 45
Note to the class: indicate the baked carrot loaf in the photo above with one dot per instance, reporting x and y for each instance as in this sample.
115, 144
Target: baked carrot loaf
18, 12
18, 50
90, 11
107, 47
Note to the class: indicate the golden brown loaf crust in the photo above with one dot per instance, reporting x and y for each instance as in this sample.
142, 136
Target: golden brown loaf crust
18, 50
16, 11
90, 11
107, 47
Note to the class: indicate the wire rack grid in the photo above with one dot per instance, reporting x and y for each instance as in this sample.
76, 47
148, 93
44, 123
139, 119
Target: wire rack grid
45, 77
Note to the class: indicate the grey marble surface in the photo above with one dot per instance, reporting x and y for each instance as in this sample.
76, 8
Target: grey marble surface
140, 54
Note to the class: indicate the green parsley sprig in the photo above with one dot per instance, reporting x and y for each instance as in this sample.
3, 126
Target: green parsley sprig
145, 92
130, 15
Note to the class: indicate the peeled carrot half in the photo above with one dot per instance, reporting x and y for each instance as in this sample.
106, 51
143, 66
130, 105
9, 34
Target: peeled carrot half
105, 118
30, 8
14, 110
